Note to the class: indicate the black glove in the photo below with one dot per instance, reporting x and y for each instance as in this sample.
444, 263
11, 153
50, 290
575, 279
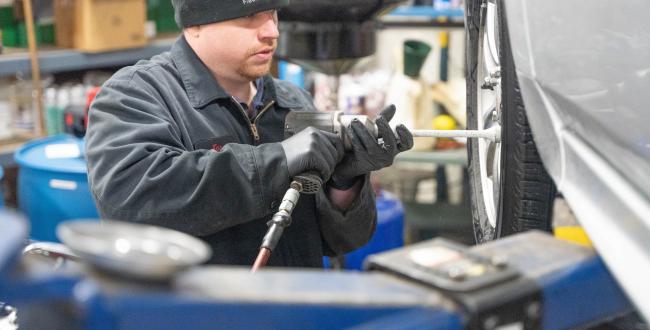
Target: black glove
313, 150
368, 154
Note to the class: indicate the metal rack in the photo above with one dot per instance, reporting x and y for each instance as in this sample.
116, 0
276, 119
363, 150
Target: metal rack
423, 16
65, 60
427, 11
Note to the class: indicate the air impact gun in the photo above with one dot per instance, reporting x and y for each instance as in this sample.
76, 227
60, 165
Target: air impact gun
309, 183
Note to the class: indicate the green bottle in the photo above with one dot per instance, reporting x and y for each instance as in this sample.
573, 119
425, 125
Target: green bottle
63, 101
51, 111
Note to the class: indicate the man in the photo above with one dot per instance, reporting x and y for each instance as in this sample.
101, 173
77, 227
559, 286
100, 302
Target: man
192, 140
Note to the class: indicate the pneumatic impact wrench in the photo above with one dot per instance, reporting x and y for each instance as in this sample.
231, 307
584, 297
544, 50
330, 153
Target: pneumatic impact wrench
310, 183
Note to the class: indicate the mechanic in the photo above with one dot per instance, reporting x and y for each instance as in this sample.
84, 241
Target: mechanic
192, 139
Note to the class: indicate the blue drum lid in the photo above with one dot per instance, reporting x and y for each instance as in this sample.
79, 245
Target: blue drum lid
61, 153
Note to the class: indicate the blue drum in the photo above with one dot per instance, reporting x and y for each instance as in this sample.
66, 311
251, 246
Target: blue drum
53, 185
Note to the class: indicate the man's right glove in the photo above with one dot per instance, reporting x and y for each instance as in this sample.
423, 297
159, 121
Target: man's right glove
367, 153
313, 150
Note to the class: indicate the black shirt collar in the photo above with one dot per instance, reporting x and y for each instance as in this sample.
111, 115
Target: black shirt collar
257, 101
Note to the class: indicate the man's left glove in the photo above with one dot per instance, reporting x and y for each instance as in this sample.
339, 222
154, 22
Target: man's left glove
368, 154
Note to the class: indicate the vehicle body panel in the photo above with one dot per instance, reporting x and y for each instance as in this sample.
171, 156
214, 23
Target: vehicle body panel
584, 72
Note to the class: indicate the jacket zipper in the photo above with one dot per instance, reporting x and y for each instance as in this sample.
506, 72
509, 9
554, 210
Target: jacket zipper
253, 125
259, 115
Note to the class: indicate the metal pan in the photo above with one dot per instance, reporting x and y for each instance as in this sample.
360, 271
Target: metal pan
133, 250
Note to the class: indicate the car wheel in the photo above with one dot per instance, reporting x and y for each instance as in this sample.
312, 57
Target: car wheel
510, 189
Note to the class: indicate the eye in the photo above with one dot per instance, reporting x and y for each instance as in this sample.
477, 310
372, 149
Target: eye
264, 14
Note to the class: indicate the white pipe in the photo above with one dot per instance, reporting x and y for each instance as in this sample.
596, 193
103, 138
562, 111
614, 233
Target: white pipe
493, 133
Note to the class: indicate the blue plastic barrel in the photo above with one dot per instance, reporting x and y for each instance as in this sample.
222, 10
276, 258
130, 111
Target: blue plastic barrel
52, 184
2, 195
388, 235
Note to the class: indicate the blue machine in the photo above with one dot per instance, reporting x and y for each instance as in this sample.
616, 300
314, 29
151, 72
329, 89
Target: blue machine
52, 184
557, 285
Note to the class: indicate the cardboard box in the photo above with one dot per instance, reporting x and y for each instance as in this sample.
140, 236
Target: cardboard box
102, 25
64, 23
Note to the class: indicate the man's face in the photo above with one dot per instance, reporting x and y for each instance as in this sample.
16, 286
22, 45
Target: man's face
241, 48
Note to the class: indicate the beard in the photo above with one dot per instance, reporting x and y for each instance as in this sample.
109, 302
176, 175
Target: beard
251, 70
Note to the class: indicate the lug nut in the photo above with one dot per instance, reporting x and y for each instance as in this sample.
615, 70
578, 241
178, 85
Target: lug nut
489, 83
496, 73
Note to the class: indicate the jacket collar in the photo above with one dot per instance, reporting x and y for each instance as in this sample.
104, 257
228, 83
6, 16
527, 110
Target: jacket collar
201, 87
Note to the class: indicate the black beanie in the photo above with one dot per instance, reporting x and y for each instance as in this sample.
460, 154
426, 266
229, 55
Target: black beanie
197, 12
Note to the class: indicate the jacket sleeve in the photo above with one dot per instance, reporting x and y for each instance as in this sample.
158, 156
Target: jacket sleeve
343, 232
140, 170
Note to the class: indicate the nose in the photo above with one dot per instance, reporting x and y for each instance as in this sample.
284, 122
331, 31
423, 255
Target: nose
269, 30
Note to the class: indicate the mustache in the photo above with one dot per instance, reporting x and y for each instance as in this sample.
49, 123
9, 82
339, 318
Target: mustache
272, 45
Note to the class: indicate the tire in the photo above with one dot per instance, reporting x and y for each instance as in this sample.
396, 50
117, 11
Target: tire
510, 189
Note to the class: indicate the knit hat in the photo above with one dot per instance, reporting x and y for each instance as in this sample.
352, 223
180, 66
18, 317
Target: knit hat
197, 12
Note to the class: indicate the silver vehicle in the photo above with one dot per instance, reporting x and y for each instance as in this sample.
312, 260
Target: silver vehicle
577, 75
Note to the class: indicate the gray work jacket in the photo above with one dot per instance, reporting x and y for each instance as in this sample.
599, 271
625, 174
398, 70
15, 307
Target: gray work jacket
166, 145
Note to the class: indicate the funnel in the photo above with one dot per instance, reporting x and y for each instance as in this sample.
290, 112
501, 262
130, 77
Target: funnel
329, 36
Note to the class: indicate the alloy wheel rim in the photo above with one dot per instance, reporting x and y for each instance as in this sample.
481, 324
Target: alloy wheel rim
489, 110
